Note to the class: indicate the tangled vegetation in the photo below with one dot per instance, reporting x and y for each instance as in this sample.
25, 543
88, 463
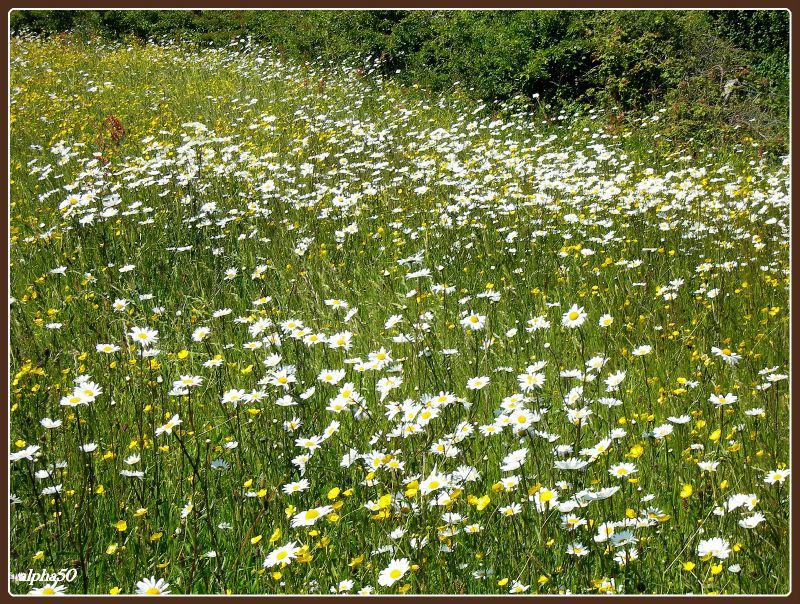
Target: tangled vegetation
721, 76
280, 327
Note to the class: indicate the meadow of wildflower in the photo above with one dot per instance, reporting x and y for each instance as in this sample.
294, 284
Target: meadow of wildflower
282, 327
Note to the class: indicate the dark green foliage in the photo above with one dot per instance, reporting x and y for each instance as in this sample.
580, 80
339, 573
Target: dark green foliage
720, 75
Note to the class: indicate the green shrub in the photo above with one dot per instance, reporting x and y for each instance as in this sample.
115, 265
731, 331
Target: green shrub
719, 74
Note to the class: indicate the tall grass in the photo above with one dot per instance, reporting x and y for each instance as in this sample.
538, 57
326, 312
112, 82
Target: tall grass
154, 187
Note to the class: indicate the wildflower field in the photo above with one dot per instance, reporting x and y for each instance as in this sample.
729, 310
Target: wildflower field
295, 328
